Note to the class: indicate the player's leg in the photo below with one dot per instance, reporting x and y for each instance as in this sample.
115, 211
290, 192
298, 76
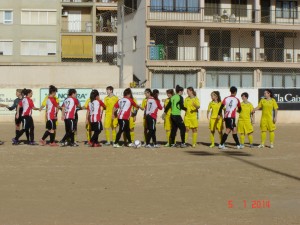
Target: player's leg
173, 131
115, 123
236, 138
145, 129
107, 126
250, 137
263, 134
132, 126
149, 131
127, 133
195, 136
181, 126
47, 132
187, 123
272, 139
88, 132
121, 130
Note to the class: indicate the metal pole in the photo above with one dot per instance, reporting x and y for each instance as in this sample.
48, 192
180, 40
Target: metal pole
121, 55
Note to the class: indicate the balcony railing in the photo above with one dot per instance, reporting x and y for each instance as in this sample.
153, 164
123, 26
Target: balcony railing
76, 1
106, 1
224, 15
226, 54
77, 26
110, 58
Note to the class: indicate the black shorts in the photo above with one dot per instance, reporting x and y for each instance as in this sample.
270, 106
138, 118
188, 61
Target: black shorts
230, 123
51, 125
96, 126
69, 125
18, 121
27, 122
75, 124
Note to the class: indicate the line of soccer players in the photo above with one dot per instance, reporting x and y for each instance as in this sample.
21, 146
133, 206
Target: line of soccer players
122, 112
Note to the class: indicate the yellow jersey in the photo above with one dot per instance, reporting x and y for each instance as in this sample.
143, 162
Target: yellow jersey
214, 107
86, 104
110, 102
165, 105
245, 114
44, 103
144, 103
267, 107
189, 104
133, 109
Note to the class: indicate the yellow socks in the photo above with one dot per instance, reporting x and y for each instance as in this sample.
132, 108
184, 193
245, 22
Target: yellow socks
186, 137
168, 136
114, 134
132, 136
107, 135
242, 139
272, 137
212, 138
263, 137
195, 135
250, 137
88, 133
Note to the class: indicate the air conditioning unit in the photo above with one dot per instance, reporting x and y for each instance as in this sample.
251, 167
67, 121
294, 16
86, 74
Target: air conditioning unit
65, 13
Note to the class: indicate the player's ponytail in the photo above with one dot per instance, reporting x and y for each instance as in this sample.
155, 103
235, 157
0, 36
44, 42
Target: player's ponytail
94, 94
52, 89
25, 91
126, 92
71, 92
155, 94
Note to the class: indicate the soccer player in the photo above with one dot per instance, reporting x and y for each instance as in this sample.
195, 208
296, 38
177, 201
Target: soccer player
192, 105
167, 116
212, 114
153, 105
68, 116
110, 121
27, 121
268, 120
93, 116
143, 106
246, 119
44, 103
231, 103
132, 120
124, 105
52, 107
88, 125
176, 104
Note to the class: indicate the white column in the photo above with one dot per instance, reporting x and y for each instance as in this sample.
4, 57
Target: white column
257, 45
201, 43
202, 5
257, 9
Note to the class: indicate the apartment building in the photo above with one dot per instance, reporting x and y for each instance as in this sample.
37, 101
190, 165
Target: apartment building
29, 31
212, 43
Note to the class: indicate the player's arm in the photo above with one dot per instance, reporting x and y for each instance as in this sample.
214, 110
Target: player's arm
3, 105
168, 106
275, 115
87, 115
220, 111
181, 103
258, 107
63, 108
115, 109
159, 106
208, 111
14, 106
44, 103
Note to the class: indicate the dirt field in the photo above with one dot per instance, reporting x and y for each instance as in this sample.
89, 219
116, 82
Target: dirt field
93, 186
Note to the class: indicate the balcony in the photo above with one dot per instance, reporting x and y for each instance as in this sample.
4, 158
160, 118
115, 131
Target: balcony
76, 1
224, 15
77, 27
106, 1
225, 54
106, 21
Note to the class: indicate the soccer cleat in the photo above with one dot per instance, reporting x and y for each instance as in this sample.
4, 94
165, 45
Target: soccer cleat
167, 145
96, 145
130, 145
240, 146
183, 145
271, 145
222, 147
261, 146
53, 144
43, 142
251, 146
32, 143
117, 146
15, 141
148, 146
88, 143
74, 144
212, 146
156, 146
173, 145
107, 144
63, 144
194, 146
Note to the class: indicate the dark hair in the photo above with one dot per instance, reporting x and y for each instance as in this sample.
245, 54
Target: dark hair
217, 93
170, 91
233, 90
192, 90
94, 94
178, 89
148, 90
71, 92
155, 94
110, 88
25, 91
245, 94
52, 89
271, 93
127, 91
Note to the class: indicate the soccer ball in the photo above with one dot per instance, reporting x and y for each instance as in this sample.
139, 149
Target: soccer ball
137, 144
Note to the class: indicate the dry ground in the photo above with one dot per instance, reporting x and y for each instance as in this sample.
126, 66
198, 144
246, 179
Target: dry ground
85, 186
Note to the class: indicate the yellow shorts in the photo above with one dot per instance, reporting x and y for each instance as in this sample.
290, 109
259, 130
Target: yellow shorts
131, 123
191, 122
110, 123
167, 123
245, 127
88, 126
215, 124
267, 125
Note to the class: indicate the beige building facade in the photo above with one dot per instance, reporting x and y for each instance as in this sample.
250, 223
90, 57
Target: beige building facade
213, 43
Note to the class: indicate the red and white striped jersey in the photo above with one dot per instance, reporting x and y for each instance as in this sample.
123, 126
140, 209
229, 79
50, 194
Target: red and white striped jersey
27, 105
152, 107
125, 105
231, 103
51, 108
94, 109
70, 105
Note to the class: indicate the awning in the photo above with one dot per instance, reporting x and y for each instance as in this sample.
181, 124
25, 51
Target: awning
107, 8
77, 47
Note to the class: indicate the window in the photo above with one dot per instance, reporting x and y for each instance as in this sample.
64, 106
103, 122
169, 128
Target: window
211, 7
227, 79
38, 17
175, 5
170, 80
6, 17
283, 79
38, 47
239, 8
6, 47
134, 43
286, 9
